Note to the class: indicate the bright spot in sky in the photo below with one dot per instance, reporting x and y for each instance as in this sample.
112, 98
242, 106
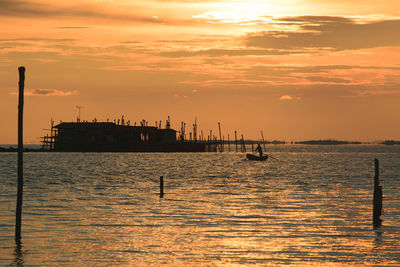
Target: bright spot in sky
239, 13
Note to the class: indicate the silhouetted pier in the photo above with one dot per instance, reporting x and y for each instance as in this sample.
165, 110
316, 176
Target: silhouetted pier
121, 136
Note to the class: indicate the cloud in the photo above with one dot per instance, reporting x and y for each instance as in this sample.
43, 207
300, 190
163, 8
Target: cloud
51, 40
286, 97
321, 79
289, 98
73, 27
326, 32
47, 92
99, 11
227, 52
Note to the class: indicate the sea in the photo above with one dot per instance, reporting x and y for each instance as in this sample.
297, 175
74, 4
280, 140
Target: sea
308, 205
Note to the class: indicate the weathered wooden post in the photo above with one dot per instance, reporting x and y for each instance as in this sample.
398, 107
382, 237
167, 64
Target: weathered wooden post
262, 135
20, 189
195, 130
220, 138
52, 135
377, 200
161, 186
244, 145
236, 141
229, 144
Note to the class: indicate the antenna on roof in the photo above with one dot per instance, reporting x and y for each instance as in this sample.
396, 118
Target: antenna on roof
79, 113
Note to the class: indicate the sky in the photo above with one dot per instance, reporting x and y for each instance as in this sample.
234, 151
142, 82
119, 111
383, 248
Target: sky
294, 69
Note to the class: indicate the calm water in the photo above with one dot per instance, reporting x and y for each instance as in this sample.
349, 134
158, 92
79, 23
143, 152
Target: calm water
313, 207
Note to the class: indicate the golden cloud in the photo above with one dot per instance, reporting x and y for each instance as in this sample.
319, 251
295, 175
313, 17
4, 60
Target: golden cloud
47, 92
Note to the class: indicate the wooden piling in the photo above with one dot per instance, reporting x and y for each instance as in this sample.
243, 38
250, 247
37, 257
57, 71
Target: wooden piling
18, 213
236, 141
52, 135
377, 200
262, 136
161, 186
229, 144
243, 144
195, 130
220, 138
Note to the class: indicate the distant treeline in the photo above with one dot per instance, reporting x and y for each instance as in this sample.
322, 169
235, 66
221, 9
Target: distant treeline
249, 142
328, 142
391, 142
14, 149
339, 142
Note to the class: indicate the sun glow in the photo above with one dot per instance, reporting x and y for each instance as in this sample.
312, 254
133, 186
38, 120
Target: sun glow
242, 13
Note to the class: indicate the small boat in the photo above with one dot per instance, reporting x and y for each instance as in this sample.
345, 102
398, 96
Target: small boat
254, 157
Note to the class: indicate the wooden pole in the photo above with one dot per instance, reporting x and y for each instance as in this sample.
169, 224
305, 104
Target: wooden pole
220, 137
52, 135
236, 141
229, 144
18, 213
243, 144
377, 200
262, 135
194, 133
161, 186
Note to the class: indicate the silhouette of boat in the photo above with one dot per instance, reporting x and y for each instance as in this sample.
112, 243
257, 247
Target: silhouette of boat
254, 157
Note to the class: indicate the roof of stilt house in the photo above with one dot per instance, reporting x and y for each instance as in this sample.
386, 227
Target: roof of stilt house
86, 125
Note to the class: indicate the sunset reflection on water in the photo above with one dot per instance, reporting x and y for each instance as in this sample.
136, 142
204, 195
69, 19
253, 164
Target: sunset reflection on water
311, 208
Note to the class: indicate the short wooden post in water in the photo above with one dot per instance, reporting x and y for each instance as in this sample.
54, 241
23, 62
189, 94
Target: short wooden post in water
18, 213
243, 144
377, 200
161, 186
229, 144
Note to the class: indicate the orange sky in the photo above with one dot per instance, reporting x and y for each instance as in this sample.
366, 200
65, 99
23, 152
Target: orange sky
295, 69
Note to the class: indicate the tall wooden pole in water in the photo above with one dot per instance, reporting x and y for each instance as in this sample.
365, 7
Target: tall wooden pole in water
236, 141
220, 137
377, 200
18, 213
262, 135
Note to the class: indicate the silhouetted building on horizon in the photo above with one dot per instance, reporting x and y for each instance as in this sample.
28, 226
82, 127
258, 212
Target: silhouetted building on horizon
111, 137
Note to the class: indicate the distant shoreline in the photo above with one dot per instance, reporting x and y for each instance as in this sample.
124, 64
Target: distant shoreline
13, 149
328, 142
339, 142
38, 148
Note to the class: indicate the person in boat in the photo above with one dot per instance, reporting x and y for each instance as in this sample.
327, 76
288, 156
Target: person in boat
259, 150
